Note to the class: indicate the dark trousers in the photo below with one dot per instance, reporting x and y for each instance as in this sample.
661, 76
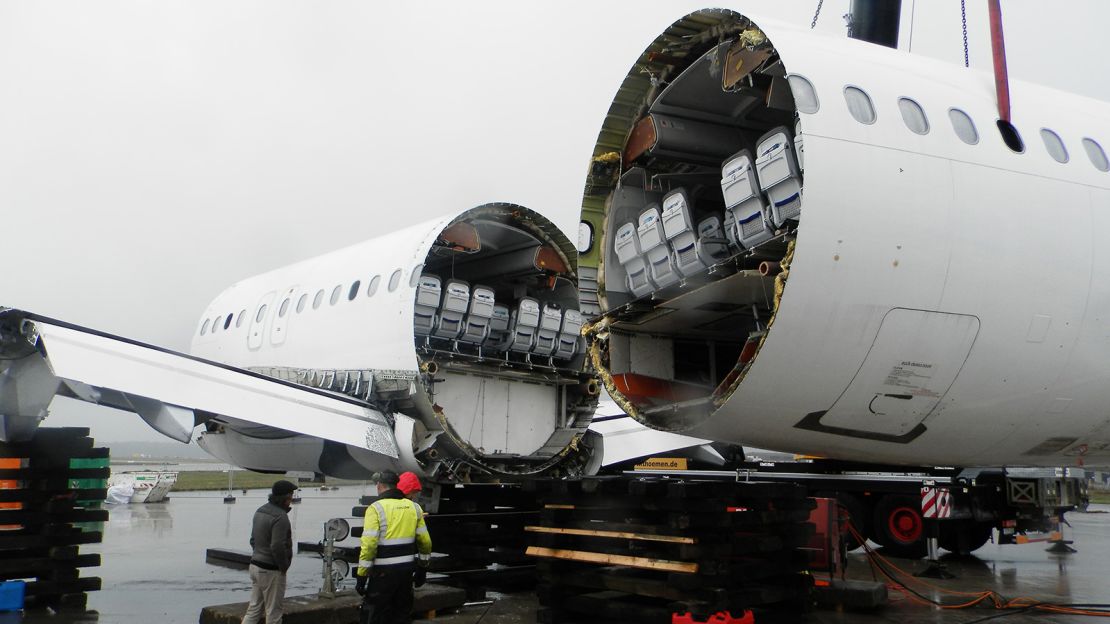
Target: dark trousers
388, 598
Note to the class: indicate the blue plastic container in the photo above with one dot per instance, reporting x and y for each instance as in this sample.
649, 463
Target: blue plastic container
11, 595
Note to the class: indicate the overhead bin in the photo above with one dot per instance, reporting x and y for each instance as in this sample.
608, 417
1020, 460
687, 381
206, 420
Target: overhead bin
677, 138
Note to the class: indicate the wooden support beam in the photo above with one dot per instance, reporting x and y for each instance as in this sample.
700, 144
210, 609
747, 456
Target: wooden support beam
670, 539
642, 563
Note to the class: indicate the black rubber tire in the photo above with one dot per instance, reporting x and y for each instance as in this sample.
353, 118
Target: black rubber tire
899, 527
963, 537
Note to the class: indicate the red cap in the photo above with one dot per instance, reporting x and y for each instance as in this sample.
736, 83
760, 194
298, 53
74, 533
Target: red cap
408, 483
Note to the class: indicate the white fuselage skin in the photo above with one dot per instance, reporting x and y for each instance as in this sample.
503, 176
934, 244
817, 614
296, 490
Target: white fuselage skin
364, 332
1011, 247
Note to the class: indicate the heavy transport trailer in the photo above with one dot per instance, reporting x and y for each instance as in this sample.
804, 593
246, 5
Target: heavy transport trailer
894, 505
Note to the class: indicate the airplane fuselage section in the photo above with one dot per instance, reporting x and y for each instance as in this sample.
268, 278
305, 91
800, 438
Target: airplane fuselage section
942, 300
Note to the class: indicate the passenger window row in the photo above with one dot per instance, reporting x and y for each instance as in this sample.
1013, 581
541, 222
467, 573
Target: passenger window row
861, 108
212, 325
457, 313
761, 195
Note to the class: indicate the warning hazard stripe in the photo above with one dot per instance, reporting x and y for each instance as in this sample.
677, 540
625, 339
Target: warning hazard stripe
944, 504
936, 502
928, 502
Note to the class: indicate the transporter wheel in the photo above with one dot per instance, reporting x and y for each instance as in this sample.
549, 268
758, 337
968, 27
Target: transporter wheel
963, 537
899, 527
859, 514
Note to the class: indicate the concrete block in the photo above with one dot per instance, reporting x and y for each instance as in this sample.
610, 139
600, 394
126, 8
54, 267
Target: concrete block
850, 594
343, 609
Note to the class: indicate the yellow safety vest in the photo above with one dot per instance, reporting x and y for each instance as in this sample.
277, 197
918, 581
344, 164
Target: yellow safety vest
393, 535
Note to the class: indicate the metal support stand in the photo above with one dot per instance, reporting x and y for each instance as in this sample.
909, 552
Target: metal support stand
936, 568
334, 570
230, 498
1061, 546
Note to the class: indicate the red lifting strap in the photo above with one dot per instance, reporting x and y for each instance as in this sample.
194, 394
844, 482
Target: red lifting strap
998, 50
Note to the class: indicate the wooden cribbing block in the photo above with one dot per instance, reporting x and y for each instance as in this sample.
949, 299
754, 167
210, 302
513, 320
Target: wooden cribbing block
642, 563
670, 539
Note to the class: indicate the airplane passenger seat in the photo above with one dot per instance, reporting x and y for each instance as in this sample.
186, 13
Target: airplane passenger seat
678, 227
799, 149
570, 334
477, 324
712, 245
653, 246
730, 230
523, 323
547, 334
499, 335
627, 247
428, 292
779, 175
456, 298
744, 199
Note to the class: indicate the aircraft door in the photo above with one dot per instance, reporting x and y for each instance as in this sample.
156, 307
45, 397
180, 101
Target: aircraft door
280, 326
912, 363
260, 315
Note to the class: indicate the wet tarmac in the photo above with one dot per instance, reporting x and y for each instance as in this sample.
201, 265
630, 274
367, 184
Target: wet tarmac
154, 566
153, 556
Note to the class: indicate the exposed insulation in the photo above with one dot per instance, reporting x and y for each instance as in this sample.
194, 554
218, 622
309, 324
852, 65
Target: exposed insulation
736, 376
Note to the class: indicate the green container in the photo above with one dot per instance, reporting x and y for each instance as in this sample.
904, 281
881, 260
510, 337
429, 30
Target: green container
78, 463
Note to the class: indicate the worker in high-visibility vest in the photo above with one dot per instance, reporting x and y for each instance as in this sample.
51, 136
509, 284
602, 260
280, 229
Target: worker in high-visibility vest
396, 548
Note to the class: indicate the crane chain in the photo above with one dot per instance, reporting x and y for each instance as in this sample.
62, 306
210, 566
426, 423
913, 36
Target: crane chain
963, 18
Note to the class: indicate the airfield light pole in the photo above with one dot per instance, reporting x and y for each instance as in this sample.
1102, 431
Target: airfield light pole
230, 498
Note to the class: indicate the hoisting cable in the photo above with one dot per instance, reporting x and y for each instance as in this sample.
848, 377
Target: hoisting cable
998, 52
902, 580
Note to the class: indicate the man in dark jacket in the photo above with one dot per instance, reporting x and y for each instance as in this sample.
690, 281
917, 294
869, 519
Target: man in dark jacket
272, 541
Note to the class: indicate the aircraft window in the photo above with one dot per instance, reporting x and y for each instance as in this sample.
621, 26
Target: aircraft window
914, 116
963, 126
283, 309
805, 98
1011, 137
414, 279
338, 290
354, 290
260, 315
1095, 153
239, 319
1055, 145
394, 280
227, 323
301, 303
373, 287
215, 324
204, 328
859, 105
318, 299
585, 236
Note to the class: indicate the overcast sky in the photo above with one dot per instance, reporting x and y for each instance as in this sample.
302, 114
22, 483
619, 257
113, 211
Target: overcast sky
152, 153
